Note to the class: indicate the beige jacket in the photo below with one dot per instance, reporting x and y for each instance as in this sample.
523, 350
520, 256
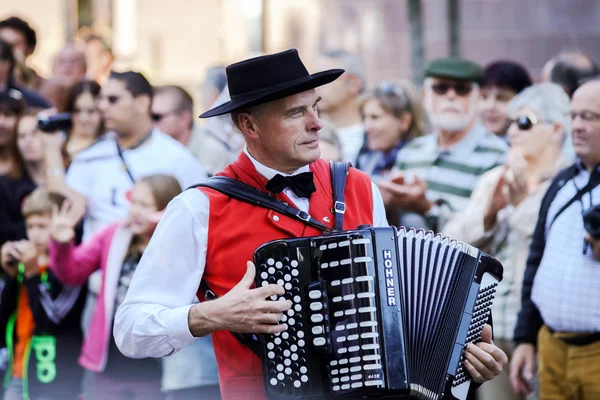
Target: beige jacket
508, 241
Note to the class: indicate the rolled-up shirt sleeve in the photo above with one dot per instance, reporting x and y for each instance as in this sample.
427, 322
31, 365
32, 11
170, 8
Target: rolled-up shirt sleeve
379, 215
152, 321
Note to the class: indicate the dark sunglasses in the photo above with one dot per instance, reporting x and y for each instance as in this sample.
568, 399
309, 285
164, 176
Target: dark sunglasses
460, 88
390, 88
524, 122
112, 99
156, 117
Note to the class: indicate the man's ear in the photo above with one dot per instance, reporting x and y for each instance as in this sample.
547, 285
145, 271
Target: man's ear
247, 125
143, 103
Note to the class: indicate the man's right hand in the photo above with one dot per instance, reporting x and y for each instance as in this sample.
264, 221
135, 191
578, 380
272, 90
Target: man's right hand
522, 368
242, 309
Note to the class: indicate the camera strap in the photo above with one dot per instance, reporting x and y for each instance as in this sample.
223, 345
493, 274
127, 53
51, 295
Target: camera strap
143, 140
592, 183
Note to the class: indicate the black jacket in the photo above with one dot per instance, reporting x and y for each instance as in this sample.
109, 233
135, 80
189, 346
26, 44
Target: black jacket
52, 370
529, 320
12, 193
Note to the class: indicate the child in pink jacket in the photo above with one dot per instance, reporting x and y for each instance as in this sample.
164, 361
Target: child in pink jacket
116, 250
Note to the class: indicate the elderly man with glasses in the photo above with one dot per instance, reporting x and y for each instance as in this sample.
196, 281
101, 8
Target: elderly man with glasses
435, 174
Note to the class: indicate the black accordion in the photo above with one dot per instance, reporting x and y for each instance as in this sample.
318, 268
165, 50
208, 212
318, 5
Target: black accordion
377, 312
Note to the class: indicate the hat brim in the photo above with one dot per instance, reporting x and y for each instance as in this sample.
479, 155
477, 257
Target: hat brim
281, 91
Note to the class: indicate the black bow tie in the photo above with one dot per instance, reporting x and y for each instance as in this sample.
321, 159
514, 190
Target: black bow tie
302, 184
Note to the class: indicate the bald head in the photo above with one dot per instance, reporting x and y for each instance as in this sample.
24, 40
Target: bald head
70, 64
585, 116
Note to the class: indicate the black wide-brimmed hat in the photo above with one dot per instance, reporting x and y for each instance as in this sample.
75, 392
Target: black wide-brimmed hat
263, 79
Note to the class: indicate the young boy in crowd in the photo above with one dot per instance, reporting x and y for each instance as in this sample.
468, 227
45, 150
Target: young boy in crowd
36, 313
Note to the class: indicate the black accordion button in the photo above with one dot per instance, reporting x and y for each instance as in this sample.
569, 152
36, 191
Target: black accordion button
286, 260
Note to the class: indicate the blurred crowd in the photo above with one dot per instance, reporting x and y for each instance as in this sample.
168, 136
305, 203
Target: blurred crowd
90, 158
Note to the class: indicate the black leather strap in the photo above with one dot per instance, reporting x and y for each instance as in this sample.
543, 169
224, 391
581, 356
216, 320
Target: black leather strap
242, 192
339, 172
247, 339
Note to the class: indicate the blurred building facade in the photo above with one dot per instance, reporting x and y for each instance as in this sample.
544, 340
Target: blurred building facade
176, 41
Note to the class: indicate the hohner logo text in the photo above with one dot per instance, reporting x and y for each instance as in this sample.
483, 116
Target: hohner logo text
389, 278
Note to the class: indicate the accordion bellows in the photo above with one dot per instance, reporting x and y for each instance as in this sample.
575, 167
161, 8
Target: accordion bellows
376, 312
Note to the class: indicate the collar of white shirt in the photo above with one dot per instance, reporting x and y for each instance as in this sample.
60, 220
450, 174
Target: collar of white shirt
269, 173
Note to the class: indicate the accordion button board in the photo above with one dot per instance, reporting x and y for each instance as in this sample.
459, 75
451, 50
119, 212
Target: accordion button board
369, 308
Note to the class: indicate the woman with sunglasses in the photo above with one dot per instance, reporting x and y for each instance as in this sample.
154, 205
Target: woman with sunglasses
504, 207
392, 115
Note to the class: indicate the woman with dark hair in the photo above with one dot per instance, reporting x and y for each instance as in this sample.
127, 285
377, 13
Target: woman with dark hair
503, 81
392, 114
82, 103
12, 106
38, 161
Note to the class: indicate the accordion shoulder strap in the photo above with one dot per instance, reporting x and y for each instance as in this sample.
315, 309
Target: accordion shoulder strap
246, 193
339, 172
248, 339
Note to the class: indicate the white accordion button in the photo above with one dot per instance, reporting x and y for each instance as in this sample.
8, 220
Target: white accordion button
314, 294
356, 385
356, 369
304, 378
354, 360
280, 367
335, 388
353, 325
373, 383
316, 318
303, 370
295, 272
297, 384
270, 261
273, 381
319, 341
317, 330
345, 387
294, 263
316, 306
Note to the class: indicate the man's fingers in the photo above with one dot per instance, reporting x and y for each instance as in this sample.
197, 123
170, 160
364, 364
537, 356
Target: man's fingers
274, 306
486, 334
497, 354
269, 290
270, 318
486, 354
476, 375
269, 328
480, 366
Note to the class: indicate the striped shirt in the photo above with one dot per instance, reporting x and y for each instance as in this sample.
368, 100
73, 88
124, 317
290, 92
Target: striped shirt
566, 288
451, 174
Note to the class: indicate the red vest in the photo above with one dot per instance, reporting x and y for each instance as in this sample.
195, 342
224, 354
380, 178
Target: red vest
236, 229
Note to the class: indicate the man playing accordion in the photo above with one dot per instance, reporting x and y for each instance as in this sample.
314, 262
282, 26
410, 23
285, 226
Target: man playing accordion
206, 235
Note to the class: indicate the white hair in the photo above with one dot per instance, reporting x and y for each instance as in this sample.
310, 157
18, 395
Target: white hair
547, 100
352, 63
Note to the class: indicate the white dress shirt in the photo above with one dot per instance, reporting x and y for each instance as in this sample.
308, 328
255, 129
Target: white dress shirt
152, 321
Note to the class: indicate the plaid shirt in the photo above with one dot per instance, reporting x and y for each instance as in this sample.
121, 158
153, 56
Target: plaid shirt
566, 287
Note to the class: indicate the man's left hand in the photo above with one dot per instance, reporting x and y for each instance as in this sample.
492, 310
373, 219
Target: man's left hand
485, 360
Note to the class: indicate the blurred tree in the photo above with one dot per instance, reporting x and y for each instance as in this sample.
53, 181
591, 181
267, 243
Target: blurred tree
454, 26
416, 43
